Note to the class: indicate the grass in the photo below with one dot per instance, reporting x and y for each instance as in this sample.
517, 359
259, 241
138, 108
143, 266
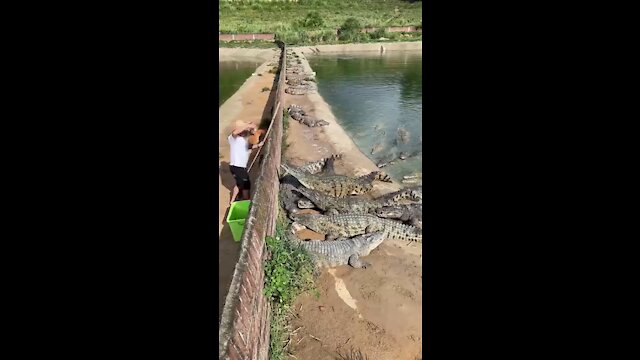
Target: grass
312, 22
257, 44
277, 16
288, 272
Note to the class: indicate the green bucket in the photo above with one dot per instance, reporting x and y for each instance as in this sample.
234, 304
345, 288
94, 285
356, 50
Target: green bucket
237, 215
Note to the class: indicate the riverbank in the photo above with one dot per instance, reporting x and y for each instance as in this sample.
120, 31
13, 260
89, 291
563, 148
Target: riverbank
380, 308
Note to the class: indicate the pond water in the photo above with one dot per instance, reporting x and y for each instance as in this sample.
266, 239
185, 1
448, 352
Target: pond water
377, 99
232, 75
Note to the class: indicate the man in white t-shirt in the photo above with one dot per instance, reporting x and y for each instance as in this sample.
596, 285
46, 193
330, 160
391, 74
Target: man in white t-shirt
240, 149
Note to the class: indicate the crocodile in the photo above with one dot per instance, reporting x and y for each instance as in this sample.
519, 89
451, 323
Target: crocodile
343, 251
410, 213
334, 226
311, 121
354, 204
297, 113
403, 156
302, 79
308, 88
403, 136
338, 185
324, 165
289, 198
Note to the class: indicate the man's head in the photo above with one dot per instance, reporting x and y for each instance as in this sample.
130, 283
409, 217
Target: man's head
242, 127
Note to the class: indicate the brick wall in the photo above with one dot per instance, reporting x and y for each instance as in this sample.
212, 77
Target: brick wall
244, 326
245, 37
395, 29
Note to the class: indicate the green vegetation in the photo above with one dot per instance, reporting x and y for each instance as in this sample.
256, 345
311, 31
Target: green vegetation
288, 272
258, 44
265, 89
311, 22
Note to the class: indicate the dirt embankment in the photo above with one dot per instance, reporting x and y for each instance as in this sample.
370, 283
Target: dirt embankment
377, 310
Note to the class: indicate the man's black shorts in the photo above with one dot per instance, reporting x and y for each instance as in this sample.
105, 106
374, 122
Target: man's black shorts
241, 176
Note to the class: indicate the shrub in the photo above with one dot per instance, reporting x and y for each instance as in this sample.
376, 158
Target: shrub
350, 31
351, 24
378, 34
313, 20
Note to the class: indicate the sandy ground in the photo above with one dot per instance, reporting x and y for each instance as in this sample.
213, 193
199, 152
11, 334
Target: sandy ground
377, 310
249, 103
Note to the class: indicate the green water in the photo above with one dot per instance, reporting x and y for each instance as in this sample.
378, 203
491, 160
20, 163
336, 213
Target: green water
373, 95
232, 75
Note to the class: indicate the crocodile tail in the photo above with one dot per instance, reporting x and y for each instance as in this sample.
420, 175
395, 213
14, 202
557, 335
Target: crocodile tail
379, 175
409, 194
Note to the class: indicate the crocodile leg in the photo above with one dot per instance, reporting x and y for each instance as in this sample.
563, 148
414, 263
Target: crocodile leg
328, 237
331, 211
372, 228
357, 263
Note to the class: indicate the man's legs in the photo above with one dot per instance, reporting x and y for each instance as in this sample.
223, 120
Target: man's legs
242, 183
234, 193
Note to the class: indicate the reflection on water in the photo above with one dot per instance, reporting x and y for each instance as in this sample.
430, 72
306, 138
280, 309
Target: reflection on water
376, 97
232, 75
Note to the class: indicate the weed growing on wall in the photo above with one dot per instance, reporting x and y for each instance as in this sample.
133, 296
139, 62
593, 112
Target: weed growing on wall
288, 272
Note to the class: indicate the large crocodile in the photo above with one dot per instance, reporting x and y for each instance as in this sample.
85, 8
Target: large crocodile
338, 185
356, 224
353, 204
343, 251
411, 213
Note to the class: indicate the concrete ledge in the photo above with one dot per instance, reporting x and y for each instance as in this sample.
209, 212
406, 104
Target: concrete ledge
345, 48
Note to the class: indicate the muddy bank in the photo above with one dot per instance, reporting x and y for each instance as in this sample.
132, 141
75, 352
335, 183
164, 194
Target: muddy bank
379, 309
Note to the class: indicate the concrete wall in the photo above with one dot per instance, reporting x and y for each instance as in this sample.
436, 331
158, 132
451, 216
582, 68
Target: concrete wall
245, 324
246, 37
346, 48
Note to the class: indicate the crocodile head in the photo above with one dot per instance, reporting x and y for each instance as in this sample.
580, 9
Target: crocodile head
301, 176
312, 196
305, 204
370, 241
389, 212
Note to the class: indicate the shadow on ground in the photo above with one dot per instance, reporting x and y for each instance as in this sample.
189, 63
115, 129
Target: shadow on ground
228, 254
